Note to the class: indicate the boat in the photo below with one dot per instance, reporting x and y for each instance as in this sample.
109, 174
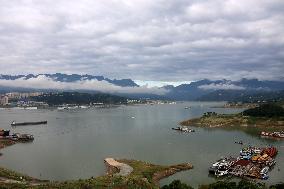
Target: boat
23, 137
222, 171
239, 142
30, 108
187, 107
212, 170
279, 134
84, 107
184, 129
270, 151
253, 162
61, 108
14, 123
4, 133
264, 176
264, 170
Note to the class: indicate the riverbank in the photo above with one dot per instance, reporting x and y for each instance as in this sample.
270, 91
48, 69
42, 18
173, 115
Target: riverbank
232, 120
121, 174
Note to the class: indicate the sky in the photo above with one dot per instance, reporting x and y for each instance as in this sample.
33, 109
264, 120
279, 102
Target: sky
150, 41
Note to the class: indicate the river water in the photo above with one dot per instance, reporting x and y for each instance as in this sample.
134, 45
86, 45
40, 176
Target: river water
74, 143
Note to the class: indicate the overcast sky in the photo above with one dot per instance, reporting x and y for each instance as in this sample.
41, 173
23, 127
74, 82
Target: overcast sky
152, 40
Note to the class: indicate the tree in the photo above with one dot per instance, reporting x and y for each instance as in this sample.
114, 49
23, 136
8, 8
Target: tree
265, 110
177, 184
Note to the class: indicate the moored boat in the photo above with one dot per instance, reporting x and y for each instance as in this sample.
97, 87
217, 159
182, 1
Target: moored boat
4, 133
273, 134
23, 137
253, 162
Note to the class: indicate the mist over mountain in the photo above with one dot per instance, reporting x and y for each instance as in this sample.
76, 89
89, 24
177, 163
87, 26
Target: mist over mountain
207, 89
198, 90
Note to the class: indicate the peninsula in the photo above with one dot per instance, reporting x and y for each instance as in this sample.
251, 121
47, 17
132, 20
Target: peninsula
266, 116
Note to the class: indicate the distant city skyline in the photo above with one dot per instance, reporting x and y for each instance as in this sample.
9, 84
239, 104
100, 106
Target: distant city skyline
152, 42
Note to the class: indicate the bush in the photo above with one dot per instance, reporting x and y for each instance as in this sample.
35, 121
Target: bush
177, 184
277, 186
243, 184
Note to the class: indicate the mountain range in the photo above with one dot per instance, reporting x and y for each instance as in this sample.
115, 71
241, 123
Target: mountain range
198, 90
72, 78
205, 89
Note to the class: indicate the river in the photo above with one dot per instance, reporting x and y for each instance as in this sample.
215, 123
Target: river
74, 143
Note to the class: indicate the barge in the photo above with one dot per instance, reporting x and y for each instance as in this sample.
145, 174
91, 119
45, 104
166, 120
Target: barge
14, 123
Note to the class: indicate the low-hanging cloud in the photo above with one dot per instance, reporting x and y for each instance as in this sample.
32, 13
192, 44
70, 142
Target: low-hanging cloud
220, 86
43, 82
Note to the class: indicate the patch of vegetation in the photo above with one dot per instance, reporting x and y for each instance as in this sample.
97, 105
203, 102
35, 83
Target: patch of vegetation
243, 184
143, 170
14, 175
79, 98
265, 110
277, 186
265, 116
177, 184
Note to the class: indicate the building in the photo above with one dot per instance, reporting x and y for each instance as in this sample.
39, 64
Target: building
4, 100
18, 95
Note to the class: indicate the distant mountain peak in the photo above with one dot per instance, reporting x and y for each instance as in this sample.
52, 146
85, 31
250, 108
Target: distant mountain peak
73, 78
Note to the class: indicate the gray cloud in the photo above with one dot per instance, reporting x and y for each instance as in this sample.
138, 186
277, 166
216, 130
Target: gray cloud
161, 40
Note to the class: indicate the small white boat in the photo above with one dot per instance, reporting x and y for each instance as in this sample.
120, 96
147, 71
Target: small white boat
221, 172
184, 129
30, 108
84, 107
264, 170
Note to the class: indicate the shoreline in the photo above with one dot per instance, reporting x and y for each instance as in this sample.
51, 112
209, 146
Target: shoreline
121, 173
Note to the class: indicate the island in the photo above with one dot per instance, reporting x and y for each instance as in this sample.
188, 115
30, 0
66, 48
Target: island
265, 116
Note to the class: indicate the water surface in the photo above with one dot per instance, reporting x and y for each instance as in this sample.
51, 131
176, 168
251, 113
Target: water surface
74, 143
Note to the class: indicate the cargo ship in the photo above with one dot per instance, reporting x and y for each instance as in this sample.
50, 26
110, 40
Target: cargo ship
14, 123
